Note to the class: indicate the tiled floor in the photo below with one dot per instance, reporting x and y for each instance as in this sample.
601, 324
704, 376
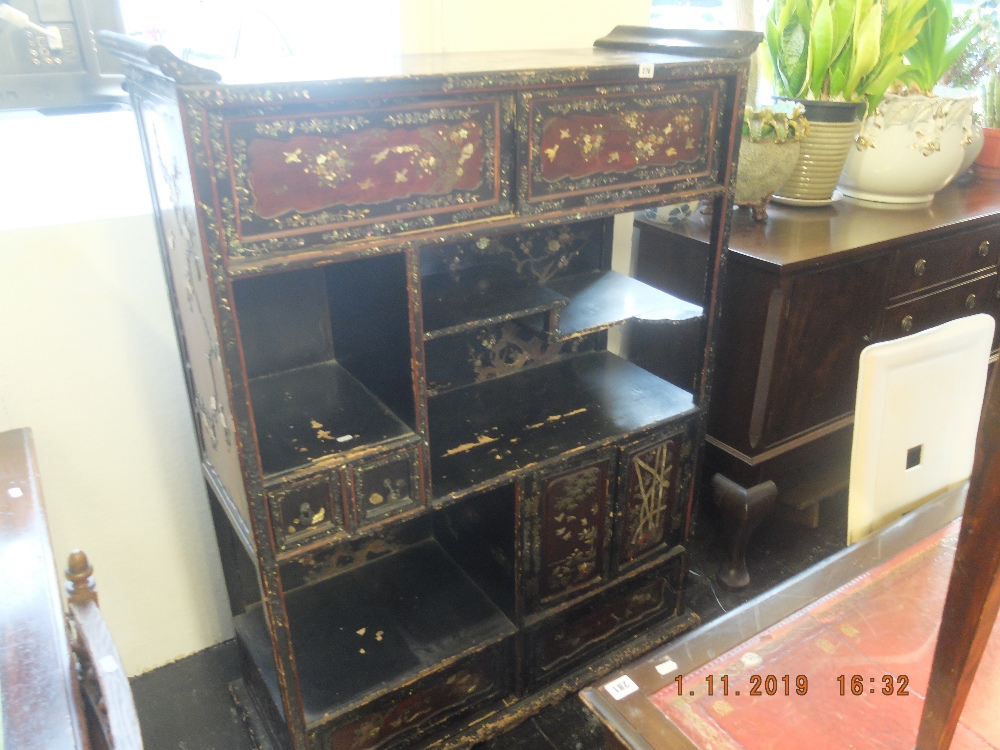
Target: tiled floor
881, 627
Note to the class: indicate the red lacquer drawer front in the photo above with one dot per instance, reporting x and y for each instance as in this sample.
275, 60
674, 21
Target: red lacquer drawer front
361, 169
586, 148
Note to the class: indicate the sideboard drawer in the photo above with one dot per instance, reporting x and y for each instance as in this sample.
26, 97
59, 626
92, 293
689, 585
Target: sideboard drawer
978, 295
930, 263
615, 144
358, 169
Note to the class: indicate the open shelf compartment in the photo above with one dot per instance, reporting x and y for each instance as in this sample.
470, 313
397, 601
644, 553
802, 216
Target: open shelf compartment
326, 353
376, 629
456, 301
495, 427
315, 412
601, 299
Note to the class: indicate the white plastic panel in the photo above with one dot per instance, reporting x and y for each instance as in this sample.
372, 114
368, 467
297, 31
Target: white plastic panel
915, 421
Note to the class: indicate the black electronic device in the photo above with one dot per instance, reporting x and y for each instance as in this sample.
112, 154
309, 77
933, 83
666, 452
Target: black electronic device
48, 57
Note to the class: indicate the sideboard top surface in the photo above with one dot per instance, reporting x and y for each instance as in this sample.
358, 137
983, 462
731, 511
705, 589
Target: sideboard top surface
794, 239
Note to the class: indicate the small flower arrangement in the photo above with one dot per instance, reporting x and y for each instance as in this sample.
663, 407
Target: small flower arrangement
768, 153
778, 123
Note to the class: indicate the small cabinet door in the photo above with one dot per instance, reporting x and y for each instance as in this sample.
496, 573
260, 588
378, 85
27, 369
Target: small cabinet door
566, 517
653, 480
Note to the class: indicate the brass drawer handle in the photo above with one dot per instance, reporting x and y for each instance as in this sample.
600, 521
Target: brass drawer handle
919, 267
984, 248
907, 323
970, 302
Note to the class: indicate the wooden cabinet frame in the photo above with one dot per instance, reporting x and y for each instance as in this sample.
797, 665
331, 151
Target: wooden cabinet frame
372, 305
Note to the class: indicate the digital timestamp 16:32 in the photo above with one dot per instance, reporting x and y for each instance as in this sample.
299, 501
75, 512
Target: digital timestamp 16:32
783, 685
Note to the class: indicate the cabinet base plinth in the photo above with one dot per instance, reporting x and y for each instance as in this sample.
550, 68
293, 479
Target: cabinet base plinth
498, 718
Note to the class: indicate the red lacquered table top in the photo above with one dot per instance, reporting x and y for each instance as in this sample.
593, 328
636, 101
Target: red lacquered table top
882, 626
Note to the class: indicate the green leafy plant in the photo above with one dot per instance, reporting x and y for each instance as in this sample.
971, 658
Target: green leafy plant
978, 64
936, 48
991, 101
840, 50
780, 123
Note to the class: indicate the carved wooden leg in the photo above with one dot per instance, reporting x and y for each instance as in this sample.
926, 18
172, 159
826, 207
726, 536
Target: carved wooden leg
742, 510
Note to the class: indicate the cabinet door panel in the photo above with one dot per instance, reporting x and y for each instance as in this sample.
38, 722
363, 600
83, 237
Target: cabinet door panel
653, 483
566, 517
809, 374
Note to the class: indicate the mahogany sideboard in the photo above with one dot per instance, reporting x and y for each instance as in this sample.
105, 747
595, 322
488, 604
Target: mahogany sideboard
804, 293
441, 499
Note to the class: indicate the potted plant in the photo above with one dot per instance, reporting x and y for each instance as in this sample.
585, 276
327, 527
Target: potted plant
987, 163
838, 57
978, 67
912, 143
769, 151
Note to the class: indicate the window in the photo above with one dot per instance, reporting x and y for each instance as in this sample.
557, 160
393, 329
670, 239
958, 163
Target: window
225, 29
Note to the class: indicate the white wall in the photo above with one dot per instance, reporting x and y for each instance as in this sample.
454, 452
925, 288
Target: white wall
474, 25
88, 357
88, 360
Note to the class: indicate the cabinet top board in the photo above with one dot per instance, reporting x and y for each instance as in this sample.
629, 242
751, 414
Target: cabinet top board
445, 72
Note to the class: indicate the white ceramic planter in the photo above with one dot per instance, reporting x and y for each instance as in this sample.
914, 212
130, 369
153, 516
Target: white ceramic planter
908, 149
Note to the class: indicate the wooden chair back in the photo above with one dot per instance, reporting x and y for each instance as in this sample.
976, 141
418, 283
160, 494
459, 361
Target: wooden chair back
62, 683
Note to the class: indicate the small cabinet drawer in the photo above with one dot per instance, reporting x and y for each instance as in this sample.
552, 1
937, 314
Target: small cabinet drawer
652, 487
305, 511
931, 263
570, 637
401, 717
615, 144
354, 169
978, 295
566, 522
386, 487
